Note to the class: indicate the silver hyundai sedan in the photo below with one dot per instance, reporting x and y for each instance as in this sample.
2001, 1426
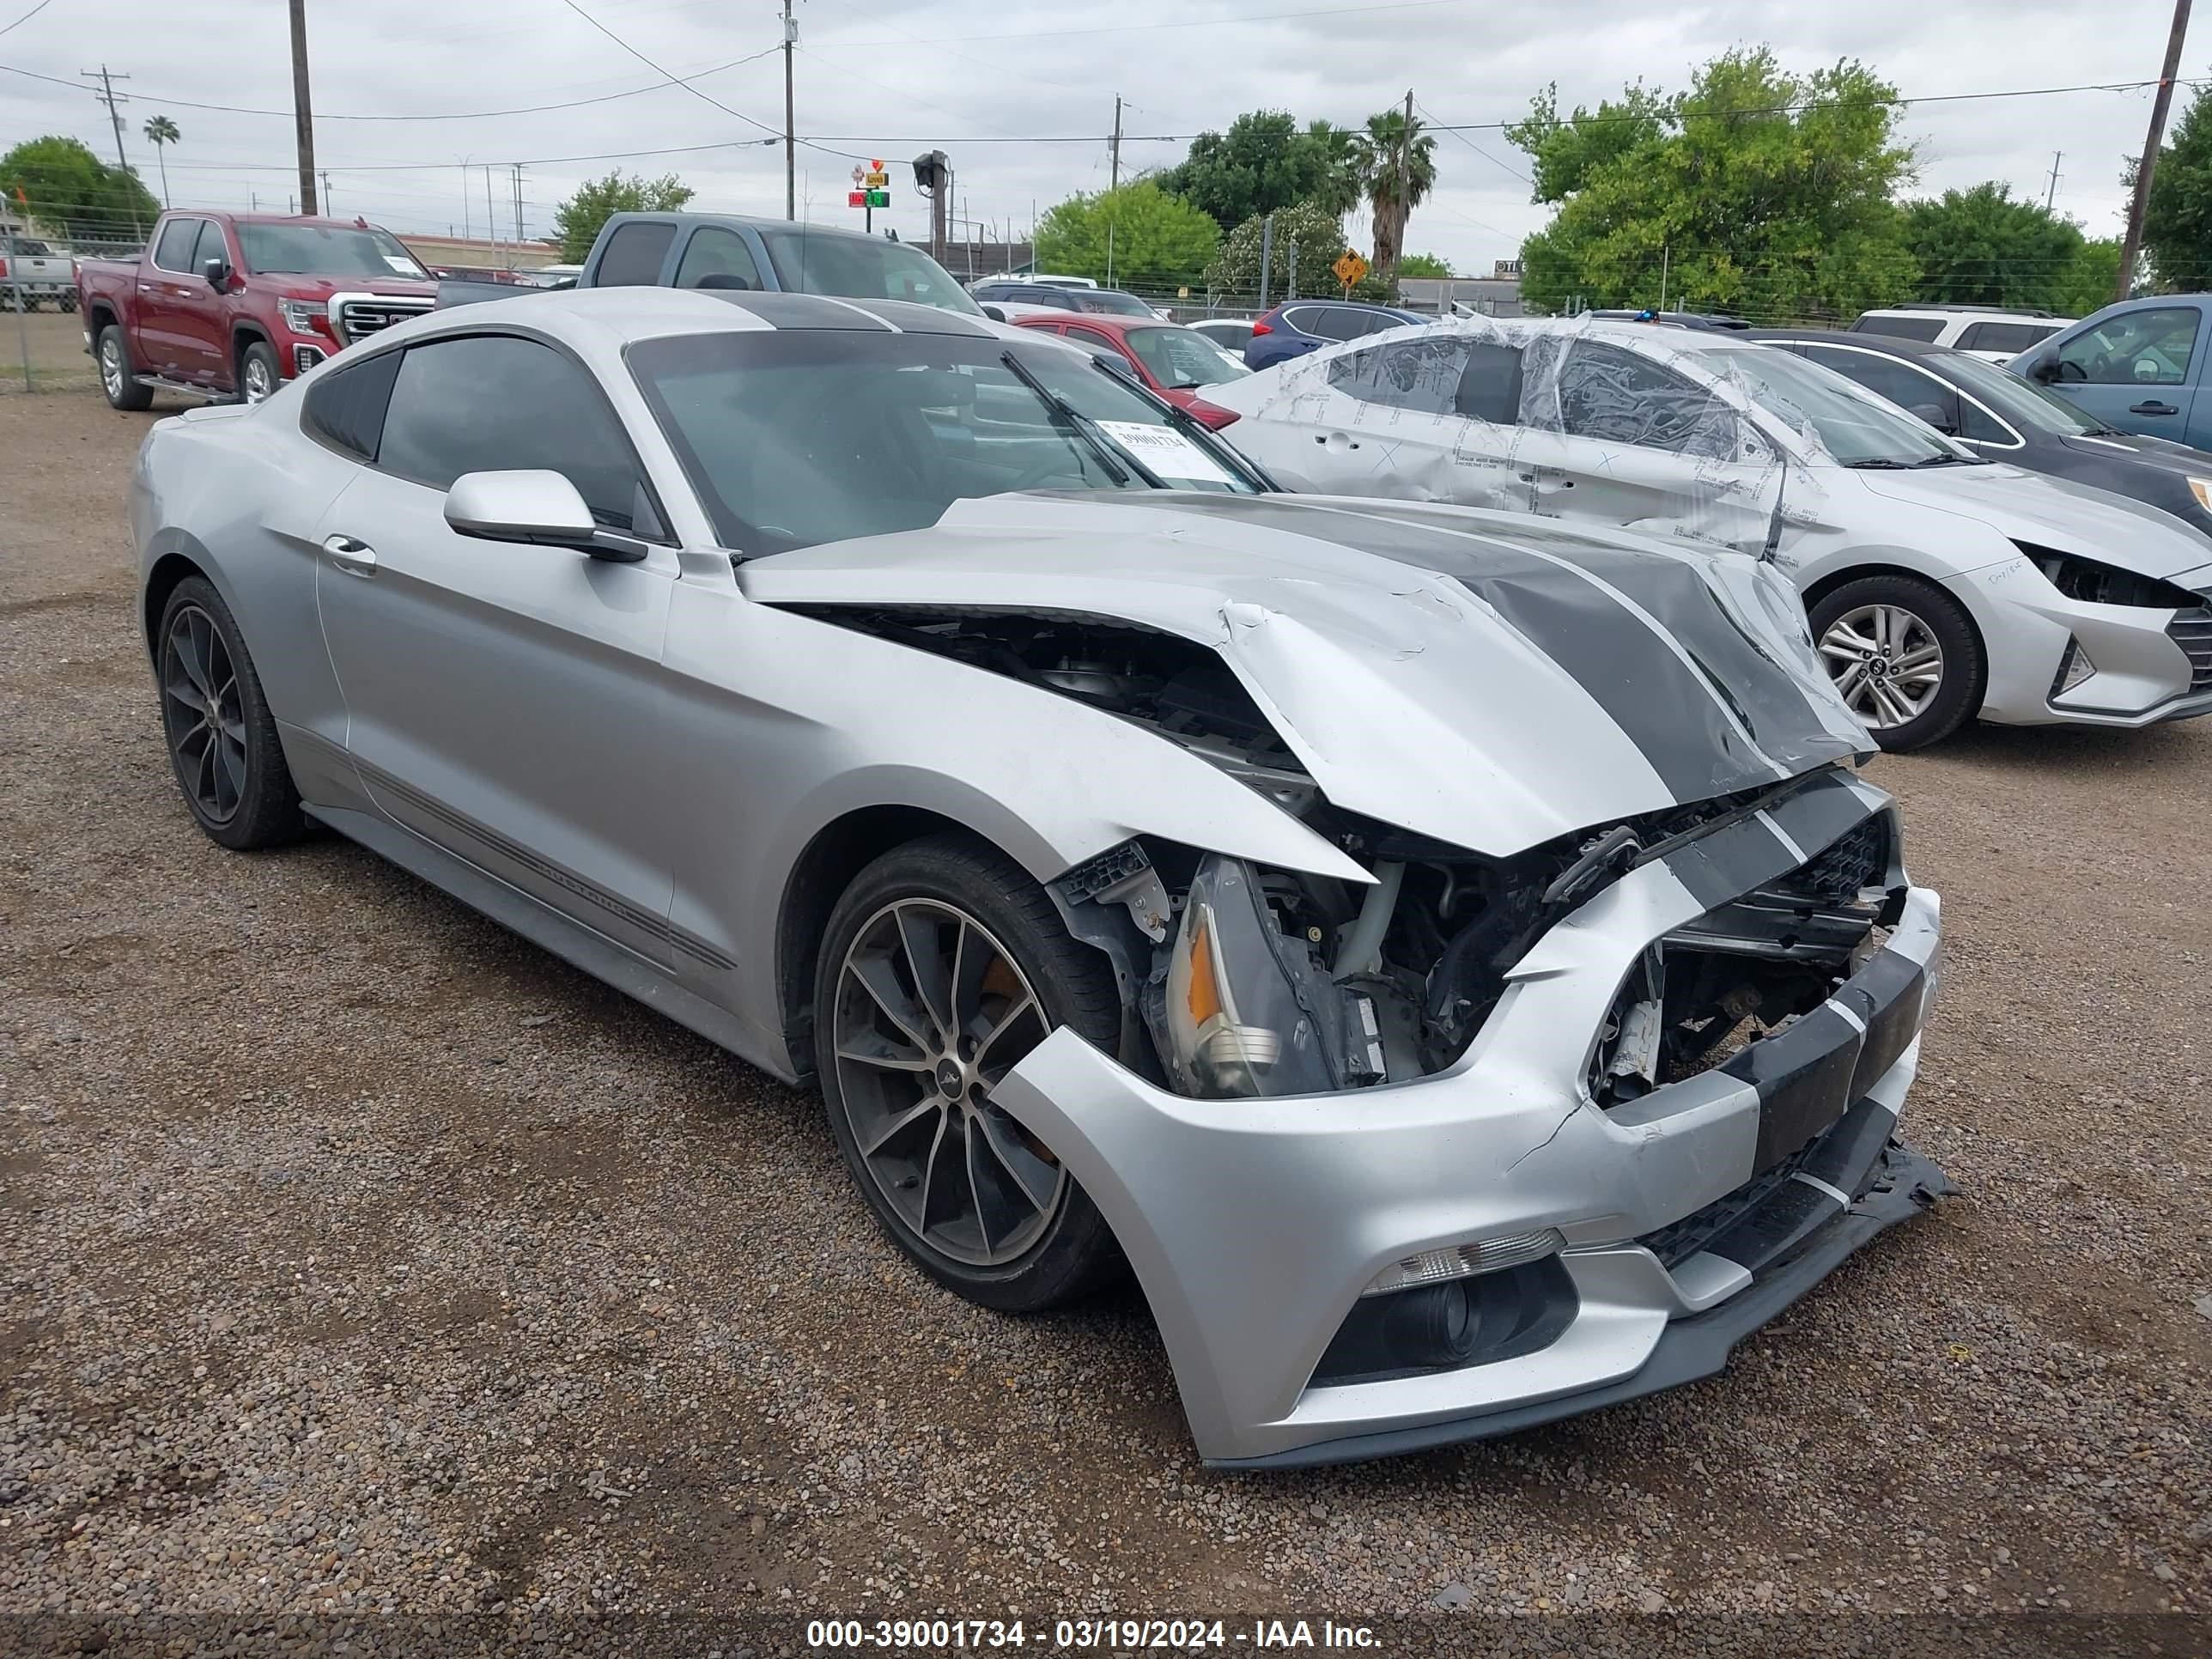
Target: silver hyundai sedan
1447, 957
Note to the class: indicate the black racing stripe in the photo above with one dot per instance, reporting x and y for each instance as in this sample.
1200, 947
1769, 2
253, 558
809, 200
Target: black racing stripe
1774, 1229
1729, 862
1675, 715
1822, 813
1803, 1076
1886, 995
1767, 696
1846, 1154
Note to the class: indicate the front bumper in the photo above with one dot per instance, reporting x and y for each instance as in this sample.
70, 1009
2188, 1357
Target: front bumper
1254, 1226
2146, 673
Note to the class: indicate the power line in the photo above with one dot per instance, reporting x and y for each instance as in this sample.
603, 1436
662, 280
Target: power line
1660, 117
443, 115
705, 97
27, 16
1476, 148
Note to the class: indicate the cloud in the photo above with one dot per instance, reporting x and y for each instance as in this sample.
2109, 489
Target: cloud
890, 79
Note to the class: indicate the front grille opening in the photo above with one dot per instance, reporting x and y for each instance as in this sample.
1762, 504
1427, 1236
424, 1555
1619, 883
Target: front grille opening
1744, 971
2192, 631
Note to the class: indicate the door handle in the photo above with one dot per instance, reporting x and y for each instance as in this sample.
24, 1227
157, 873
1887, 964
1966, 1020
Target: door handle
355, 558
2152, 409
1337, 438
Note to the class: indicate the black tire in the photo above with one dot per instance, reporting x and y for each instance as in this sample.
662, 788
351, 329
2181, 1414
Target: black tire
256, 362
1071, 1252
1957, 696
112, 352
248, 806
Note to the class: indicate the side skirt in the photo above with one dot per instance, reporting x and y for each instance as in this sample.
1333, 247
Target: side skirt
576, 945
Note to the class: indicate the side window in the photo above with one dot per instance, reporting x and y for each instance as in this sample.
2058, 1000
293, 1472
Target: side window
1091, 341
173, 253
1904, 328
1311, 320
492, 403
1977, 425
2137, 347
1420, 376
634, 255
1907, 388
1490, 389
715, 258
1618, 397
2011, 338
345, 408
211, 245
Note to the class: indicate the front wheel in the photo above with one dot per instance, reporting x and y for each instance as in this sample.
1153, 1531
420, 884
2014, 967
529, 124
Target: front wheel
942, 966
259, 375
1905, 655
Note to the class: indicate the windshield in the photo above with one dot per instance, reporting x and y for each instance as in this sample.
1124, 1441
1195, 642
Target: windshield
2019, 401
1180, 359
1853, 425
1105, 299
863, 268
326, 251
808, 435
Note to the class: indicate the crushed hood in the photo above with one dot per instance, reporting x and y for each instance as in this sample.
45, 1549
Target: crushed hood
2055, 513
1488, 678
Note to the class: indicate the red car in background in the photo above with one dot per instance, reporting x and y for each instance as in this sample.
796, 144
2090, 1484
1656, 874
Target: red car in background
1177, 362
233, 305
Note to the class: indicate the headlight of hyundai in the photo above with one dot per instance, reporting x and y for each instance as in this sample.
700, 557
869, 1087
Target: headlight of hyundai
2202, 489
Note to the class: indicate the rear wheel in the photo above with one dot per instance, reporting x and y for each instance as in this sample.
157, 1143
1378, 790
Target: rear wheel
117, 376
1905, 655
221, 737
943, 965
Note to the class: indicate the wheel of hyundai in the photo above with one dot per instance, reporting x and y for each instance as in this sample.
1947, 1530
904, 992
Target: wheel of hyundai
944, 966
1887, 662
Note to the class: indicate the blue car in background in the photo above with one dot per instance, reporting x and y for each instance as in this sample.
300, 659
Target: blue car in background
2139, 365
1298, 327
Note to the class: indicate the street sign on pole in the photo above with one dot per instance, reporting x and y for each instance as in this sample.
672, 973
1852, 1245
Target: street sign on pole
1350, 269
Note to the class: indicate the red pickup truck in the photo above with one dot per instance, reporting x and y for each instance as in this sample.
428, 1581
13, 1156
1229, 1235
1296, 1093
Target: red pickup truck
230, 305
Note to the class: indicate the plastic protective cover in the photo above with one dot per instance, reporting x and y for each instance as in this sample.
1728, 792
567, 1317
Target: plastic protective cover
1542, 415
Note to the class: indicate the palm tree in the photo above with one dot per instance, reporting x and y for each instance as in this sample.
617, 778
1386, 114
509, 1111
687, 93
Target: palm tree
1386, 145
1343, 180
161, 130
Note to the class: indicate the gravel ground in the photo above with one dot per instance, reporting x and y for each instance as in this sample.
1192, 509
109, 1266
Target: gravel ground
361, 1259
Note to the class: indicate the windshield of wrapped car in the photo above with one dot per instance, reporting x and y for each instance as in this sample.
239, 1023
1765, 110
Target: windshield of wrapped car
325, 250
1857, 429
863, 268
798, 437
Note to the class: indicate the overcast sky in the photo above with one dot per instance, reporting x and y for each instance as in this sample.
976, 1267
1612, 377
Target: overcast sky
897, 77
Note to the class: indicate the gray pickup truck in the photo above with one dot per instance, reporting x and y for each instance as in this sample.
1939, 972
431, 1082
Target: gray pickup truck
719, 250
32, 274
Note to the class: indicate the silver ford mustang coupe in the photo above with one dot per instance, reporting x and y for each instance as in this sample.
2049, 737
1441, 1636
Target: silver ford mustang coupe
1446, 957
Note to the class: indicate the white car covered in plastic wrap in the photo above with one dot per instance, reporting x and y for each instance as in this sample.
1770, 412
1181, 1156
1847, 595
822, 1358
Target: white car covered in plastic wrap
1940, 586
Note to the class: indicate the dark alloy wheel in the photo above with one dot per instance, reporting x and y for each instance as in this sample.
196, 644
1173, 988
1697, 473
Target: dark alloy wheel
223, 740
943, 967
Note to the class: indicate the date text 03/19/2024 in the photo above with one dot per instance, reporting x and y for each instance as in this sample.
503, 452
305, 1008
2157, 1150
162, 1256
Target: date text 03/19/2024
1077, 1635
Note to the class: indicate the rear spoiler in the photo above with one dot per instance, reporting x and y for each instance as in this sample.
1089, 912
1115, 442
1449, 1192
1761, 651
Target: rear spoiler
461, 291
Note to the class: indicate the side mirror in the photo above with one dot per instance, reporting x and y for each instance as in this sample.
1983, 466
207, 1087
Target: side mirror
1936, 416
2045, 372
539, 507
994, 313
217, 272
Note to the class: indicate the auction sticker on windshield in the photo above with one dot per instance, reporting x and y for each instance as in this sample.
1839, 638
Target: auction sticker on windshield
1166, 451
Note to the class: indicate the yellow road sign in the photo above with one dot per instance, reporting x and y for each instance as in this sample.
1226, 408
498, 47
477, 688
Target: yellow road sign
1349, 269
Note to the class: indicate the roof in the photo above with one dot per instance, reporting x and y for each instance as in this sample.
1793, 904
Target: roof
747, 221
1946, 308
1106, 322
1867, 339
641, 313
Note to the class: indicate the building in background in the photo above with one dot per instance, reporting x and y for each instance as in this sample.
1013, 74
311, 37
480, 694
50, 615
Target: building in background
478, 253
1483, 297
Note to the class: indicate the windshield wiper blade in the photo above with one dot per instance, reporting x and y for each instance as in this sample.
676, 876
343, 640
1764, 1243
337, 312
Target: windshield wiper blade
1951, 461
1879, 464
1117, 463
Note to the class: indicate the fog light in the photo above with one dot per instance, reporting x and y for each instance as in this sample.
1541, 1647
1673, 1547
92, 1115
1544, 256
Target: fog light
2073, 668
1476, 1320
1484, 1255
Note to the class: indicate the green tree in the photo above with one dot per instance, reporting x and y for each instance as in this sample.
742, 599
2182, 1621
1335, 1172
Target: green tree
2177, 221
1755, 192
1308, 239
1138, 235
579, 218
1385, 149
1264, 162
2089, 282
72, 192
1979, 247
162, 131
1424, 264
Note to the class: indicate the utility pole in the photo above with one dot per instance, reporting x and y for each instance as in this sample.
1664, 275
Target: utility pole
790, 124
108, 95
1113, 177
2131, 246
1405, 171
303, 112
2052, 194
467, 225
325, 175
518, 204
491, 224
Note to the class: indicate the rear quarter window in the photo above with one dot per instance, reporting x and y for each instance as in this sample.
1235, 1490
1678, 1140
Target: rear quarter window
634, 255
344, 409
